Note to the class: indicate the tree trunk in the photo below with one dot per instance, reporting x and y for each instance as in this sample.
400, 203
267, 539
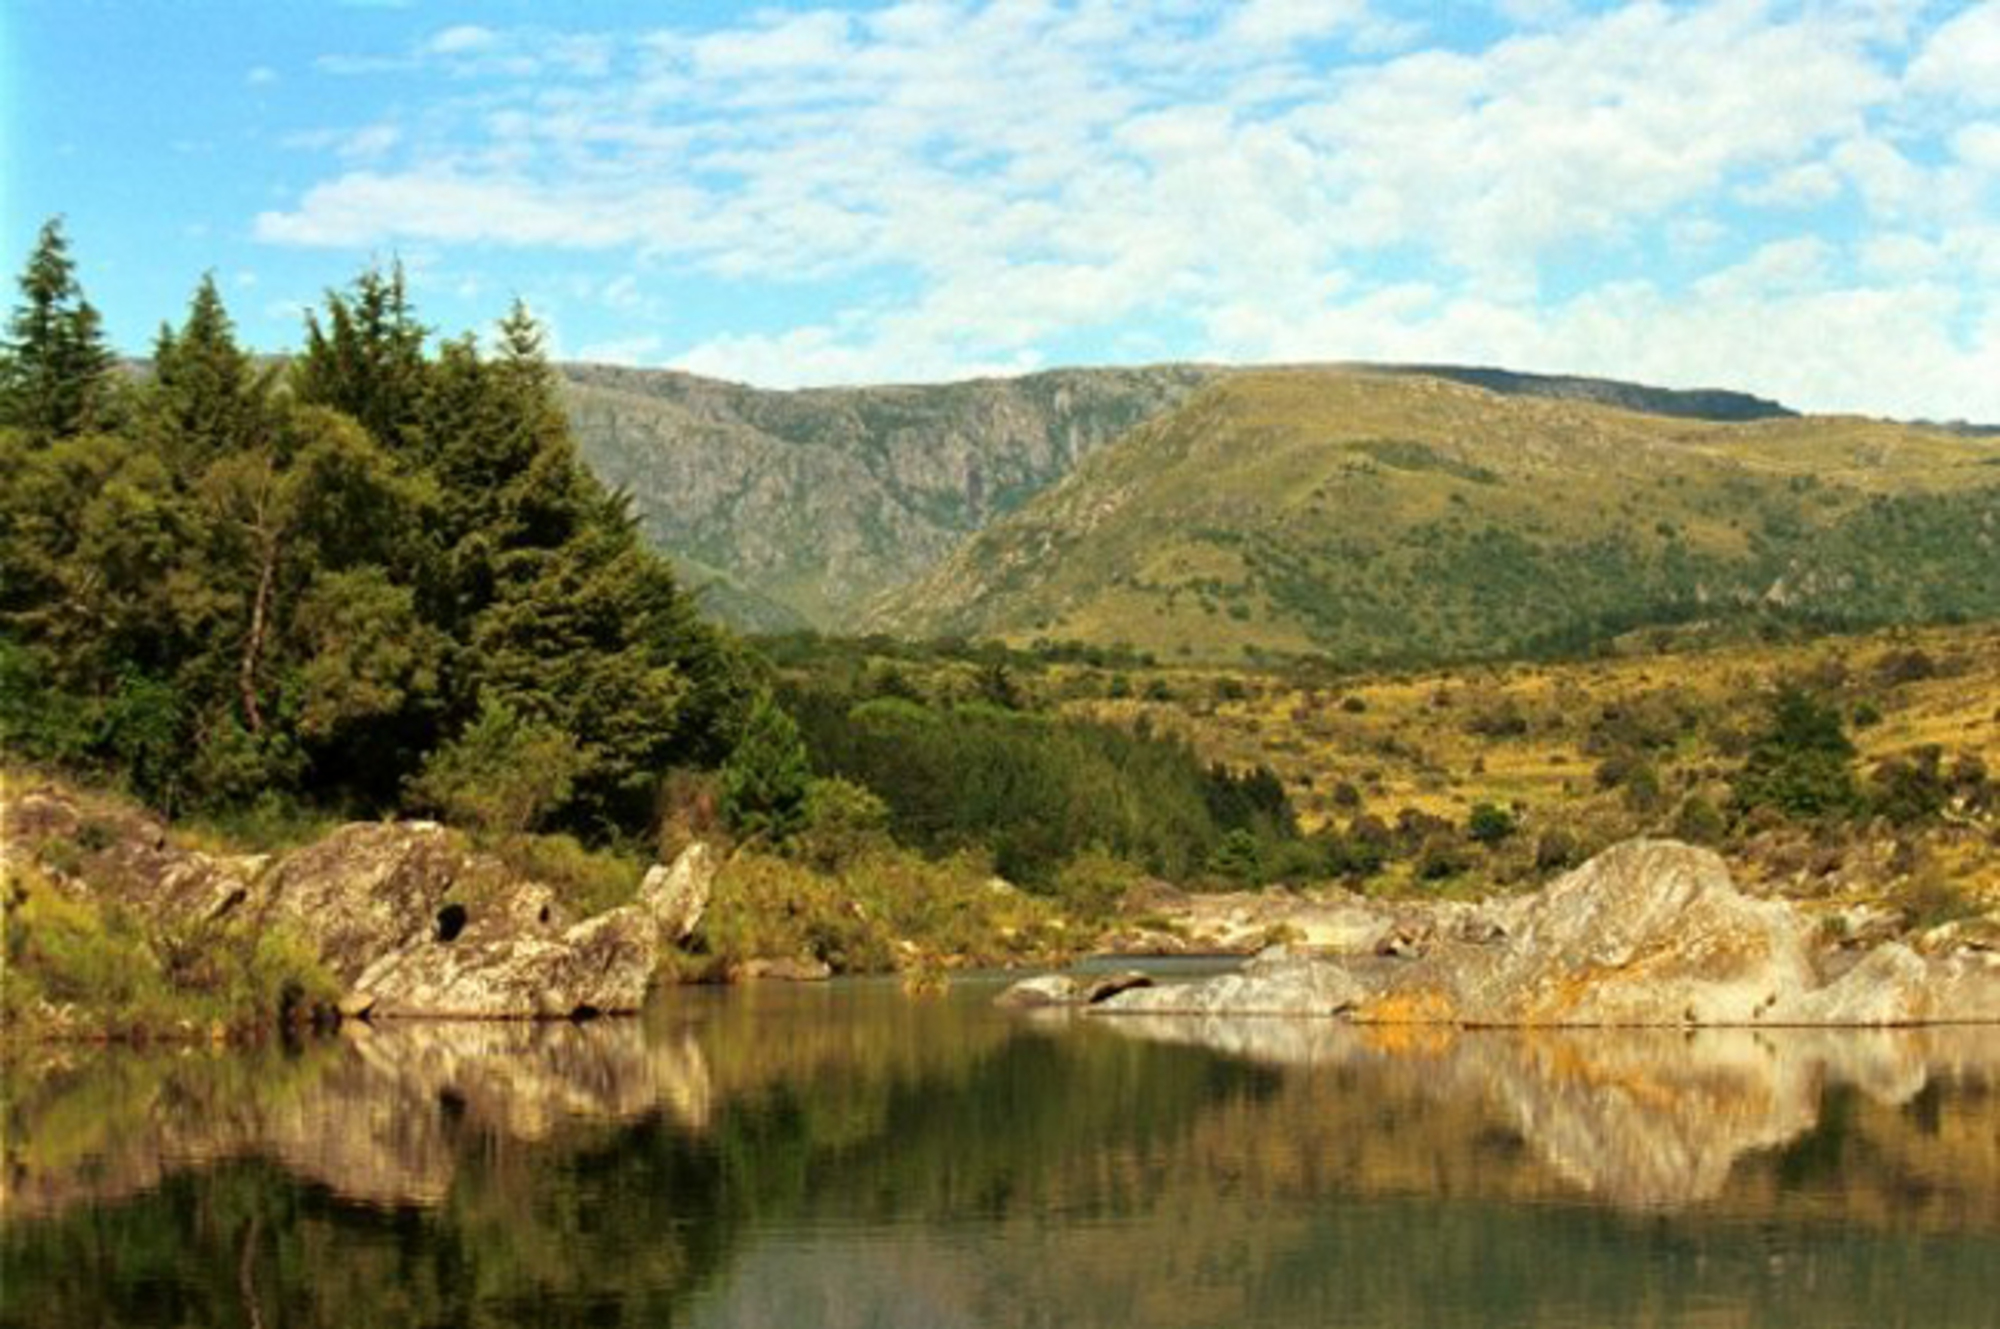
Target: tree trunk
253, 644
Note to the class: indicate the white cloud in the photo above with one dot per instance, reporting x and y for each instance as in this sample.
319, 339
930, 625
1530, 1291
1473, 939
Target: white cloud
261, 76
1281, 22
1962, 58
644, 349
1032, 171
465, 39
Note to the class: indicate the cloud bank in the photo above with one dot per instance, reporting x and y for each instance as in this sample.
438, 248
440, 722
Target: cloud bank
1792, 197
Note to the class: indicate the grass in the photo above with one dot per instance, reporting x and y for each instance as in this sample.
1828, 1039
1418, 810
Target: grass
884, 909
1380, 519
79, 968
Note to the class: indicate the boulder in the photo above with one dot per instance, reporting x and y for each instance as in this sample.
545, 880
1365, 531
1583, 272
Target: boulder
1067, 990
418, 925
676, 897
1042, 990
1894, 985
1281, 983
1648, 933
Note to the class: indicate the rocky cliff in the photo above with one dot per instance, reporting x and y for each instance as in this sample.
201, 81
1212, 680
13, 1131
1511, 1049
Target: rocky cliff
793, 508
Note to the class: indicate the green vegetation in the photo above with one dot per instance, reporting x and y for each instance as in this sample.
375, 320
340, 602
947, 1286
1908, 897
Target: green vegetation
374, 578
1036, 789
79, 968
1802, 763
1382, 520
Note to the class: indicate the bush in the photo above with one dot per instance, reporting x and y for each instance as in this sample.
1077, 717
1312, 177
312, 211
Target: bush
1238, 858
1442, 856
1556, 850
1912, 789
842, 820
1091, 884
502, 775
1699, 821
1801, 762
1489, 824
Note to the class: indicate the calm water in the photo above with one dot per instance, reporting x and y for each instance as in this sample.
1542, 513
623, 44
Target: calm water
844, 1156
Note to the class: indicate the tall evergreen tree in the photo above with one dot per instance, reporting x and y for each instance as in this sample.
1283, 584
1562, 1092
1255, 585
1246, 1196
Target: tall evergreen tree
367, 359
55, 369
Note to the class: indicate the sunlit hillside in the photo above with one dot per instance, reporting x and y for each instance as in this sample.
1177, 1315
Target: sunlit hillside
1401, 519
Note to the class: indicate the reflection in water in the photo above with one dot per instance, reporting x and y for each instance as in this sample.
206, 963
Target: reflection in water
1641, 1118
842, 1156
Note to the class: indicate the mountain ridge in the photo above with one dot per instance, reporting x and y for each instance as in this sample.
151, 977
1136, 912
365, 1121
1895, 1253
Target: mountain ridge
791, 508
1383, 517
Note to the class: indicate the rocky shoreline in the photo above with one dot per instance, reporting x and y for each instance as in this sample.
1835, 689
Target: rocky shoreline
1650, 933
407, 918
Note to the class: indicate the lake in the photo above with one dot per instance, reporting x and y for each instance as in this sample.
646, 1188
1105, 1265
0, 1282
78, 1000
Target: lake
843, 1155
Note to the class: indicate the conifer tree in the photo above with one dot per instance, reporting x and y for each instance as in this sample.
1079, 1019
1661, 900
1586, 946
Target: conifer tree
55, 369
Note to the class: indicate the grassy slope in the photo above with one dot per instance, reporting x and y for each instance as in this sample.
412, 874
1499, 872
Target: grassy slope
1420, 740
1388, 518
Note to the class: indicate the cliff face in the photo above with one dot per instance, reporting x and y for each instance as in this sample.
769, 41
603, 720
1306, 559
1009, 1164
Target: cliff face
795, 508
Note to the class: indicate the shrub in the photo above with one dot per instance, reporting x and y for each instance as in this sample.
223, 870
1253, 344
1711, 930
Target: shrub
1489, 824
1238, 858
1801, 763
1699, 821
1442, 856
842, 820
1091, 884
1556, 850
1912, 789
502, 775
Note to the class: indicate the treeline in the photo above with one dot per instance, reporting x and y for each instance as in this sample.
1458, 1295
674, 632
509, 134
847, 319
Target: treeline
1041, 791
376, 576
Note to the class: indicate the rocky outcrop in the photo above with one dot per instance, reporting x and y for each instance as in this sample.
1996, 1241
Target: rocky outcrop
677, 896
1070, 990
1649, 933
412, 921
406, 916
1278, 982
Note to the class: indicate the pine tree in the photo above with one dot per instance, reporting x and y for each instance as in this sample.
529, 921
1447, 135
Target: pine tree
766, 779
55, 370
367, 360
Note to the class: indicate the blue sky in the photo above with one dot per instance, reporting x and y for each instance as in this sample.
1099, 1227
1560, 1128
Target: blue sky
1802, 199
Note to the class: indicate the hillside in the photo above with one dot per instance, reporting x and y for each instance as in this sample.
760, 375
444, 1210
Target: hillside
794, 508
1385, 517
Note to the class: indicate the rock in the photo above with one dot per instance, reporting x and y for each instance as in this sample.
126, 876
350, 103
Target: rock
677, 896
785, 969
1649, 933
419, 926
1284, 984
599, 966
1895, 985
1102, 987
1043, 990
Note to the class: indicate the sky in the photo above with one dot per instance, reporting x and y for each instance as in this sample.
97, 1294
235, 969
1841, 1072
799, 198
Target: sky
1796, 199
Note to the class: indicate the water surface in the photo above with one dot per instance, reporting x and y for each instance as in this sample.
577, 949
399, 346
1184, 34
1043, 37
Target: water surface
842, 1155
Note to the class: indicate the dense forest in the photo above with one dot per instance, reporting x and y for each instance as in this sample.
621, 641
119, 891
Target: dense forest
371, 576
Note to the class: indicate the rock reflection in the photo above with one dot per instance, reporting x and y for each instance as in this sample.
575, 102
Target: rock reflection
1639, 1118
378, 1116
